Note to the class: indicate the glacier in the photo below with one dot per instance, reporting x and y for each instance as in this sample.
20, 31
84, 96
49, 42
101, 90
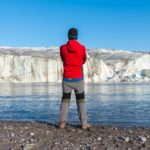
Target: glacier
30, 65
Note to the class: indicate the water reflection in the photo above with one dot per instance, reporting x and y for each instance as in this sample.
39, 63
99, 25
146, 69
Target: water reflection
125, 103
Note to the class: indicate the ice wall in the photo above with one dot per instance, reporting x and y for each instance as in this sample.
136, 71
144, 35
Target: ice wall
26, 65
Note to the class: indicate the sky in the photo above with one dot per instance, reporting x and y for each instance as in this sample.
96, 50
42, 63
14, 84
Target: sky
115, 24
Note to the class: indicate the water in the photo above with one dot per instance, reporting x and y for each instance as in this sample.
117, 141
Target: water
122, 104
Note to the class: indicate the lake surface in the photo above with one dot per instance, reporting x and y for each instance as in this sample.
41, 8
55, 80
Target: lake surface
120, 104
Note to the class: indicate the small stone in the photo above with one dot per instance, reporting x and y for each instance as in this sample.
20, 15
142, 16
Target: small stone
57, 143
47, 132
15, 141
31, 134
110, 136
99, 139
65, 142
127, 139
115, 129
73, 130
119, 139
26, 128
12, 134
28, 146
31, 140
142, 139
130, 131
23, 140
147, 136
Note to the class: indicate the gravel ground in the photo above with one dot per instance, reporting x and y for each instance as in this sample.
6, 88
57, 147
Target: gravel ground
45, 136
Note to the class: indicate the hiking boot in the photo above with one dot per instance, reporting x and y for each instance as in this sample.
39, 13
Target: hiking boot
62, 125
86, 126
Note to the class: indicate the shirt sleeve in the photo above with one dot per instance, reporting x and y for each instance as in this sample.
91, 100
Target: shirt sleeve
84, 55
61, 55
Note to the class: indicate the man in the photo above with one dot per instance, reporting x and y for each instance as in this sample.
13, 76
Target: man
73, 55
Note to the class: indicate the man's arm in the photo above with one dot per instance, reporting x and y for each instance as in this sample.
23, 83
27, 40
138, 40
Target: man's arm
84, 55
61, 55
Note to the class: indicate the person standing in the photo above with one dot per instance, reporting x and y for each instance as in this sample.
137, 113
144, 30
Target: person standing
73, 55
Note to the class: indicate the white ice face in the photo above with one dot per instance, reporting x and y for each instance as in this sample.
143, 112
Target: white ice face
27, 65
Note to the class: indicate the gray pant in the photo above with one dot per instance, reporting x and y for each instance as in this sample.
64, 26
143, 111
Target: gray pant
78, 88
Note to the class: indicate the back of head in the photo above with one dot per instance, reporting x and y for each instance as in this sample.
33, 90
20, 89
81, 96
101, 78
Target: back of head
72, 33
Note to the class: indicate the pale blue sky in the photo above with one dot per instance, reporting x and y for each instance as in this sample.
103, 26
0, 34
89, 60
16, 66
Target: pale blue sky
117, 24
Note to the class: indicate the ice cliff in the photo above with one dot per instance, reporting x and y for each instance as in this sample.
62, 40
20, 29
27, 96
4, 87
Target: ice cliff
25, 65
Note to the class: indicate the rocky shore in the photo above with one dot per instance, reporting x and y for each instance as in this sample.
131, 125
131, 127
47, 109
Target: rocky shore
45, 136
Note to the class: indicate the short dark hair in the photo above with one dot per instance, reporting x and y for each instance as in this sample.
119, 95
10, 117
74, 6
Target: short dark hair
73, 33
